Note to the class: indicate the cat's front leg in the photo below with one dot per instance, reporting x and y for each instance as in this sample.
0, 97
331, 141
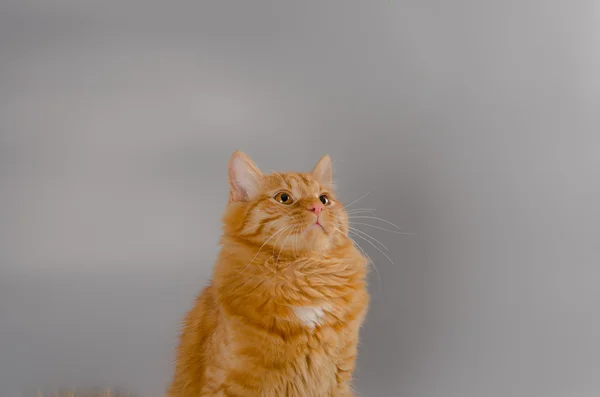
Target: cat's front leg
345, 390
346, 363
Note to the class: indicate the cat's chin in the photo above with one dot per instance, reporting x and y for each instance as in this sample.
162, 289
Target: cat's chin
316, 226
315, 238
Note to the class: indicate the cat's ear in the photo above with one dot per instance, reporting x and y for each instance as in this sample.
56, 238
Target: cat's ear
323, 171
244, 177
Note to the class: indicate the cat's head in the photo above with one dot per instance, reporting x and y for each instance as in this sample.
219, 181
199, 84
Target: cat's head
290, 211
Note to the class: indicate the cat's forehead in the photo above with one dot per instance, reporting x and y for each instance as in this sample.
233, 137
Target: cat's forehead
296, 183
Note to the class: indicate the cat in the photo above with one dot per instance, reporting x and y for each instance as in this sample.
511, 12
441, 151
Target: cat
288, 295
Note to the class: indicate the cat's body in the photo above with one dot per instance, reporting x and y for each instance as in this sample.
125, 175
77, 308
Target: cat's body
282, 314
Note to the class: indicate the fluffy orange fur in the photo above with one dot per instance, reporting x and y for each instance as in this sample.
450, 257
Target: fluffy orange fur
288, 295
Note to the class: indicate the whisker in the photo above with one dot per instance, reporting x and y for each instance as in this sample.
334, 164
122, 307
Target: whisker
380, 228
360, 198
377, 248
275, 243
355, 230
261, 247
357, 213
367, 256
295, 242
355, 210
376, 218
283, 245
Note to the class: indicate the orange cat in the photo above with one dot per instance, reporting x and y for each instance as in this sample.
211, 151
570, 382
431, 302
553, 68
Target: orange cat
282, 314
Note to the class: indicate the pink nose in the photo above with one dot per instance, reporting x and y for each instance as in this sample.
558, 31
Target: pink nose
316, 208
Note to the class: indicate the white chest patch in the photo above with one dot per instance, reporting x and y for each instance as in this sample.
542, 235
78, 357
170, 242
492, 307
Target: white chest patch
310, 316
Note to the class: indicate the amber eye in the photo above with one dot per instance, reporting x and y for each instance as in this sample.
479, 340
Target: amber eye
324, 199
284, 198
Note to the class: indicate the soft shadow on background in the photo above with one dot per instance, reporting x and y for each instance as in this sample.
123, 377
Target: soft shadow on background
476, 125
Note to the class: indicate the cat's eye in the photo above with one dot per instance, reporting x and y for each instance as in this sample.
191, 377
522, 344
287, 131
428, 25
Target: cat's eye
325, 199
284, 198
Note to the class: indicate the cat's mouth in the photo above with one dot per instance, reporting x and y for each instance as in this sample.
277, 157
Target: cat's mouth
317, 225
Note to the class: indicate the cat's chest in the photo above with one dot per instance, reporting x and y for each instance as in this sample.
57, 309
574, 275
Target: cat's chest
310, 373
311, 316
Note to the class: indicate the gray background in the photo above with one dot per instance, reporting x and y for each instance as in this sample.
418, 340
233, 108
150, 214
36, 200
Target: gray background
475, 123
